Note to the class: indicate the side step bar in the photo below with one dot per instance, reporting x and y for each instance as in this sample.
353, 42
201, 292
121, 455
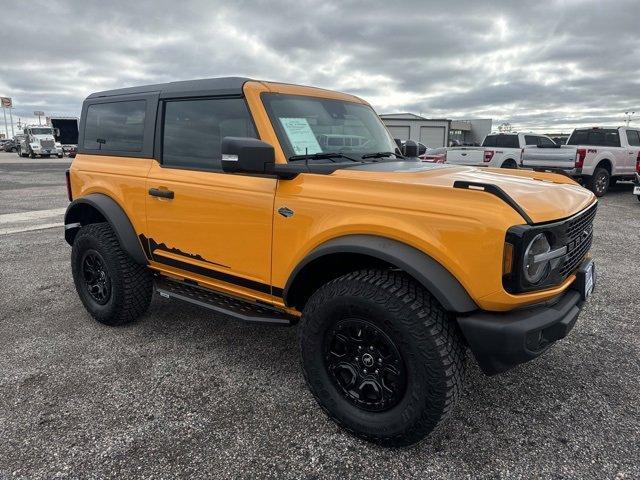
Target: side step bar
220, 303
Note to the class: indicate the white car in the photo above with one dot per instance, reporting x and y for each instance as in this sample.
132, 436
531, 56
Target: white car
502, 150
599, 156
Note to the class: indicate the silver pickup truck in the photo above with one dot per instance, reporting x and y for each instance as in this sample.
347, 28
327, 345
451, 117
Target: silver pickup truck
598, 156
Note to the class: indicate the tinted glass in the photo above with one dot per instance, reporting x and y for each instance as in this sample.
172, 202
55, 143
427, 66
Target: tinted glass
633, 137
490, 141
546, 142
597, 137
508, 141
531, 140
117, 126
194, 129
319, 125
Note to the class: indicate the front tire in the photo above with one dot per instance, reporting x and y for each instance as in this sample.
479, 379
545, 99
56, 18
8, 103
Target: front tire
113, 288
598, 183
381, 356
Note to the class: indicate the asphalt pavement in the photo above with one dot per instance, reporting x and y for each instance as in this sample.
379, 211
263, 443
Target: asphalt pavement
183, 393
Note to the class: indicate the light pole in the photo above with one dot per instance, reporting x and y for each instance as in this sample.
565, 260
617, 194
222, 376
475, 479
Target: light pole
629, 116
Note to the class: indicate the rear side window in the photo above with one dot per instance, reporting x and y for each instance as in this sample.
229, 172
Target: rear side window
602, 137
633, 137
531, 140
194, 129
117, 126
546, 142
489, 141
508, 141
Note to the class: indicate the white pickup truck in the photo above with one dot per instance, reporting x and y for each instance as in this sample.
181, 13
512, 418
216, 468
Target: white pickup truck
599, 156
498, 150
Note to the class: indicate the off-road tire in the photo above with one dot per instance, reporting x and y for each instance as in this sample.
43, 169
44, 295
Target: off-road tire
131, 284
427, 339
509, 164
598, 183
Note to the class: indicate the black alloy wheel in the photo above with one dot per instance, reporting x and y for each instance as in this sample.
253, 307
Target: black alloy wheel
95, 276
365, 365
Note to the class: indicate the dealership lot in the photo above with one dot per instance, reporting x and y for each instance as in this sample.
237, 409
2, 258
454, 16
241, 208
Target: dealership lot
183, 393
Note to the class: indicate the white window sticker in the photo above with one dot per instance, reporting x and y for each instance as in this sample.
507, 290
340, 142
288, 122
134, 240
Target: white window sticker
301, 136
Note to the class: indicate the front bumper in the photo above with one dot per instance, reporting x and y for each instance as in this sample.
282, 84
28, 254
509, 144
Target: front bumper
47, 151
500, 341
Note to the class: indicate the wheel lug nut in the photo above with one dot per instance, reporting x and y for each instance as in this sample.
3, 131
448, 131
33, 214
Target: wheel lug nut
359, 347
376, 372
370, 348
365, 370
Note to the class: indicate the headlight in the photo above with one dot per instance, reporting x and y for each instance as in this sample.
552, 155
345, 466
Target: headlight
535, 265
533, 256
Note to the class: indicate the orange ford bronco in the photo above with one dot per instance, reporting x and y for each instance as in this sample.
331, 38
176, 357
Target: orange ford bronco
278, 203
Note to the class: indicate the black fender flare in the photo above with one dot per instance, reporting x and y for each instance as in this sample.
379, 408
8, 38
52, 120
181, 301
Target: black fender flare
441, 283
75, 217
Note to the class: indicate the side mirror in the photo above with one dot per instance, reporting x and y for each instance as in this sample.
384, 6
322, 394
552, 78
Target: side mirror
246, 155
410, 148
398, 143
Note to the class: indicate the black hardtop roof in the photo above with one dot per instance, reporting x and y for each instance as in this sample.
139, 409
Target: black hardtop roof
205, 86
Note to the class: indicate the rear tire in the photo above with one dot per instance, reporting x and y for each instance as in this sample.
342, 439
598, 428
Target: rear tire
372, 400
598, 183
509, 164
113, 288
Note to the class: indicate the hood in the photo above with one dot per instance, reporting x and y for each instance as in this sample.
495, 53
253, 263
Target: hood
543, 196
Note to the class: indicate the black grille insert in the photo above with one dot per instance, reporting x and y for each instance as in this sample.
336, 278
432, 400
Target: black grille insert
579, 237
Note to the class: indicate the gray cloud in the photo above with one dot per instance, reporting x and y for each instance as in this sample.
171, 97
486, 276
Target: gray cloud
543, 67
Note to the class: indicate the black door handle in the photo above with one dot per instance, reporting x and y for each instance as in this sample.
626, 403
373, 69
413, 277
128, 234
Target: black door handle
157, 192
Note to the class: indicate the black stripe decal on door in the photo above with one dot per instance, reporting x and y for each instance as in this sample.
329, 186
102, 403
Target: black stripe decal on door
204, 271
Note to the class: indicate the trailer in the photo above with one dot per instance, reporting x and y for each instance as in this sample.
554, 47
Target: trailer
66, 132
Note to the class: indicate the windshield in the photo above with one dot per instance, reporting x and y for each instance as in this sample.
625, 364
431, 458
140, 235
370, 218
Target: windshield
41, 131
310, 125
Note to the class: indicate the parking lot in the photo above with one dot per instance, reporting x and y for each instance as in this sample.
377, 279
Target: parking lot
184, 393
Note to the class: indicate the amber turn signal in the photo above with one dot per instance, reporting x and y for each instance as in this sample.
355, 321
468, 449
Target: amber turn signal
507, 259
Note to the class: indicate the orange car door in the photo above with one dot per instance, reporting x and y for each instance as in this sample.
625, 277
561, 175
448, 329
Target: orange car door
203, 223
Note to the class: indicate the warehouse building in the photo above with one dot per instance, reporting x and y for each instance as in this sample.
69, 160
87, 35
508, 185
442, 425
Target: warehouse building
436, 132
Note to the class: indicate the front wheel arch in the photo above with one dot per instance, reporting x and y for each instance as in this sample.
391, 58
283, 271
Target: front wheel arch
342, 255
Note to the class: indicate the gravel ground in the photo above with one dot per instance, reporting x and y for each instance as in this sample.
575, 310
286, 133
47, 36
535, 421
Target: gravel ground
185, 394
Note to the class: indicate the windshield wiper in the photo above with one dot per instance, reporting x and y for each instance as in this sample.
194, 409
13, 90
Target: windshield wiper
321, 156
381, 155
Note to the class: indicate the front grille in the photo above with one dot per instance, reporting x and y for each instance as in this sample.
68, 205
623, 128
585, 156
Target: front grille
47, 143
579, 237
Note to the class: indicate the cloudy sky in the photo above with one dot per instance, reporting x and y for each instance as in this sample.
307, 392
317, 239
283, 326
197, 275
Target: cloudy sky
545, 66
